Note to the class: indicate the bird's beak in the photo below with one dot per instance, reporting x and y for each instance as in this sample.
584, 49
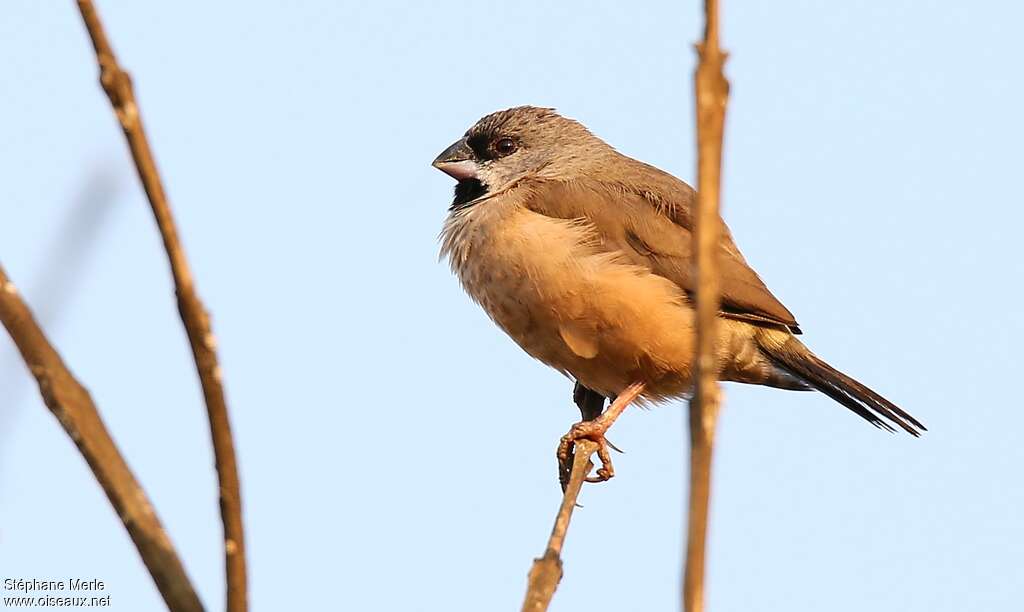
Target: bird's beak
457, 161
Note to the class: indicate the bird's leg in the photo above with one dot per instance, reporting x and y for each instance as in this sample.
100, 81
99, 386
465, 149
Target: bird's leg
590, 402
595, 430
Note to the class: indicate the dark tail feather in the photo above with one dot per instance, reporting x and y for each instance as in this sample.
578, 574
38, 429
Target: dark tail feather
791, 355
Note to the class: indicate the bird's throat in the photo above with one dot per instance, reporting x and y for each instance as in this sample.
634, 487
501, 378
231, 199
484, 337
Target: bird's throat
467, 191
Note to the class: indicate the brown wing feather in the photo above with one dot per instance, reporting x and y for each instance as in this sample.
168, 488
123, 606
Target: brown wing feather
647, 215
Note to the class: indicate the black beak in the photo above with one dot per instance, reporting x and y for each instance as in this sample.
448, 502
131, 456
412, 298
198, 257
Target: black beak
457, 161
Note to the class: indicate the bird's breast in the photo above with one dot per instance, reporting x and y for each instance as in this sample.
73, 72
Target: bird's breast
513, 262
565, 300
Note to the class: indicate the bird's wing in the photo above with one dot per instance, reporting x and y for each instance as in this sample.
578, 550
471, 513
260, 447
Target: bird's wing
647, 215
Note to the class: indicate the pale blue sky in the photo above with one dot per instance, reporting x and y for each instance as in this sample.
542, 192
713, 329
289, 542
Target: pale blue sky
396, 449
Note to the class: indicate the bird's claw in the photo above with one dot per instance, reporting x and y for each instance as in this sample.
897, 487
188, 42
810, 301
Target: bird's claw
585, 430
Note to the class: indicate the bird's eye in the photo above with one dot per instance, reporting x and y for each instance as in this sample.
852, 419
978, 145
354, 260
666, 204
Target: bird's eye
504, 146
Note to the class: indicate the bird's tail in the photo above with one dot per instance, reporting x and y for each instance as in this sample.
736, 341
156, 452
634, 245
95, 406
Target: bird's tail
788, 353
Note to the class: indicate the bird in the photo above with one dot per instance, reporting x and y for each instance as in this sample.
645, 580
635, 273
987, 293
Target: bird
584, 257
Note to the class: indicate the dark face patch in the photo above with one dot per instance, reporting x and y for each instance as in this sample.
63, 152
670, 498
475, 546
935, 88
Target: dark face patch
492, 144
466, 191
478, 142
492, 137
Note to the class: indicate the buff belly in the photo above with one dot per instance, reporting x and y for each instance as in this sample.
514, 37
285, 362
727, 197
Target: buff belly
581, 310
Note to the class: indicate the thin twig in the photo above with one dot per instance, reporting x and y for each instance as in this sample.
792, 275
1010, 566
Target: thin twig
118, 86
71, 404
546, 571
712, 91
67, 256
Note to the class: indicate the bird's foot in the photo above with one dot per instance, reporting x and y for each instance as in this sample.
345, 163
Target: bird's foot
594, 431
585, 430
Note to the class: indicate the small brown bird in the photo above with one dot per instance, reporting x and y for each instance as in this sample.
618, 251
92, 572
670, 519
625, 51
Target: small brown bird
584, 257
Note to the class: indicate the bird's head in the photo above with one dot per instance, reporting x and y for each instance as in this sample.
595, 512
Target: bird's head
524, 142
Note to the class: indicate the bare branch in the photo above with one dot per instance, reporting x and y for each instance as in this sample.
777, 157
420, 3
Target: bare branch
118, 86
546, 571
71, 404
712, 90
70, 249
